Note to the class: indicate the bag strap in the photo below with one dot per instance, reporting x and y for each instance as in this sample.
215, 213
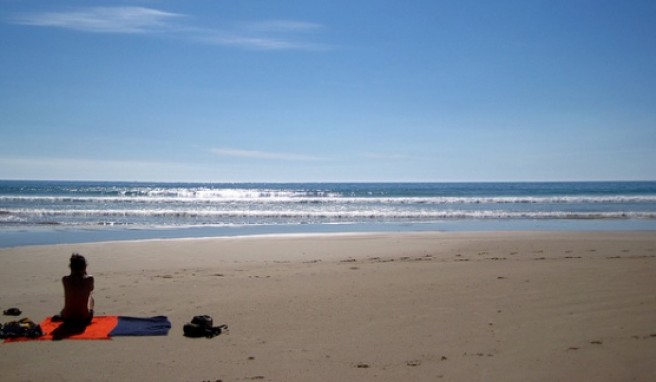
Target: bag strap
215, 331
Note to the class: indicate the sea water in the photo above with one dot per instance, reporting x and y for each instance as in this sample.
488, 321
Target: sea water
39, 212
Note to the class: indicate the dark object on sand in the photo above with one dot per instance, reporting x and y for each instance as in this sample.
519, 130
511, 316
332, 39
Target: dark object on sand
22, 328
12, 312
202, 326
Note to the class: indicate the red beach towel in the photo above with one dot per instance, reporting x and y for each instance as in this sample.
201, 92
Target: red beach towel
98, 329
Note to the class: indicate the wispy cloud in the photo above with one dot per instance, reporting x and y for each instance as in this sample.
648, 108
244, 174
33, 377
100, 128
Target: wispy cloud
258, 42
263, 35
90, 169
255, 154
102, 19
61, 162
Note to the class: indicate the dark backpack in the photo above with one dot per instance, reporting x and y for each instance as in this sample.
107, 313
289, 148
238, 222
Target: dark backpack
202, 326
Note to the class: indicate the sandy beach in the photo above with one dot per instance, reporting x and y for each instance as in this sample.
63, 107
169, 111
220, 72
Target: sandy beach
504, 306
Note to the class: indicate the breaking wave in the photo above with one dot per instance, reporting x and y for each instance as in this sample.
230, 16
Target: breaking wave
346, 215
154, 204
331, 198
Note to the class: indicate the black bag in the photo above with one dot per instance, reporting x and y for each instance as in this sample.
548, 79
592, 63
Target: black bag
203, 321
201, 326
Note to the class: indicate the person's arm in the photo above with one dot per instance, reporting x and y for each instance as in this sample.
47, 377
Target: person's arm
92, 302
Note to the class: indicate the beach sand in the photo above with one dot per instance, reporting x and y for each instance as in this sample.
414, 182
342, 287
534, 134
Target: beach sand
504, 306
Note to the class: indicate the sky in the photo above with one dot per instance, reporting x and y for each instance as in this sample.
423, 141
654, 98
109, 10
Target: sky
328, 91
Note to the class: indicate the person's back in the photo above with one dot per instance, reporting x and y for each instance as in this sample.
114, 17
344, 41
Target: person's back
78, 286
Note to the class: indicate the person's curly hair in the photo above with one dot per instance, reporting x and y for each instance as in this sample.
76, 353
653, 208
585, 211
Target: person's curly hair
78, 262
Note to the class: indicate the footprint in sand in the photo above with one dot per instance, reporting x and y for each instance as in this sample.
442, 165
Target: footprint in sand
425, 258
413, 363
653, 335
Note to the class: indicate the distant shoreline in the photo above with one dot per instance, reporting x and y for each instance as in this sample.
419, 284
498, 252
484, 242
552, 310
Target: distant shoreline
49, 235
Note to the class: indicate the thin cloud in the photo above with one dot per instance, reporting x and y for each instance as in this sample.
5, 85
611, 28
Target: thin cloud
255, 154
92, 169
59, 162
258, 42
264, 35
102, 19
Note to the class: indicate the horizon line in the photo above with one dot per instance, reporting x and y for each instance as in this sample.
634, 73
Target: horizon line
330, 181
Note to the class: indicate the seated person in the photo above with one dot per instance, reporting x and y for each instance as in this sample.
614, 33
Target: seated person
78, 286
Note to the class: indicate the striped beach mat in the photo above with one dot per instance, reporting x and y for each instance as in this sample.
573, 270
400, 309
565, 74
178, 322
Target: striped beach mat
102, 328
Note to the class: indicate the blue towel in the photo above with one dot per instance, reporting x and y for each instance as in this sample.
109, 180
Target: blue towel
141, 326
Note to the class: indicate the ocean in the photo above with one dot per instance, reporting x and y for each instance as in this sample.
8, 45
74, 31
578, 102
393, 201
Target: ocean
47, 212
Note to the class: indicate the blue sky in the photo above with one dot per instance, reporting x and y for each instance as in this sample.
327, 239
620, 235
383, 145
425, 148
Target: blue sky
296, 91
